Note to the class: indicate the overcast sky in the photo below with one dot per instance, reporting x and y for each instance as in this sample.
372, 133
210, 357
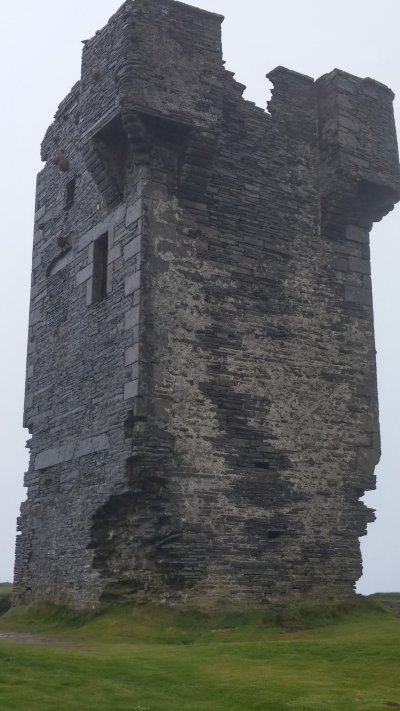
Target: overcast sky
40, 53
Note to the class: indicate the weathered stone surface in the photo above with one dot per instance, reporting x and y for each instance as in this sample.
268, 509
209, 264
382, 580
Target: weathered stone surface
205, 438
65, 453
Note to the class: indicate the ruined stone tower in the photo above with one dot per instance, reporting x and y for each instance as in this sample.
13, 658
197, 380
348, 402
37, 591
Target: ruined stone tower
201, 383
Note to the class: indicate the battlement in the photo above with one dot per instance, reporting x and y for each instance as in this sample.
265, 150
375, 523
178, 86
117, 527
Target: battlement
201, 378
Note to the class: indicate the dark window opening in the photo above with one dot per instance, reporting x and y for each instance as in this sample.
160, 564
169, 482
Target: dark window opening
261, 465
129, 425
166, 130
70, 194
100, 255
274, 534
112, 146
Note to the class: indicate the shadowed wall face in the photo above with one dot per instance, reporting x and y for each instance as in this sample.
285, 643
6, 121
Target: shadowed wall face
201, 382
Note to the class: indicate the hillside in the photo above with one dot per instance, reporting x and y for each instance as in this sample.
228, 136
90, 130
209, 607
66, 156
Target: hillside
330, 658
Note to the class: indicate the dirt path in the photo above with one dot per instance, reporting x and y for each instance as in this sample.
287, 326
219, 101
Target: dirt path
37, 639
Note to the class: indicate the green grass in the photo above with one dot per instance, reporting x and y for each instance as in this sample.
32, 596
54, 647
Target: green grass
5, 597
330, 658
5, 589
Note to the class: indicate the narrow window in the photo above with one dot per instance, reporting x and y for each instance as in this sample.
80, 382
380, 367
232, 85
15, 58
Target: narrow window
100, 254
70, 194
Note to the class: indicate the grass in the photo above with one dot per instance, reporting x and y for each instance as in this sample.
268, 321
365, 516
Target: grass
330, 658
5, 597
5, 589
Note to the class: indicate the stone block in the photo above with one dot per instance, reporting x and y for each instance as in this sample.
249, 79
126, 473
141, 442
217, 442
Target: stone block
114, 253
354, 251
363, 266
358, 295
39, 214
91, 445
40, 188
368, 388
111, 237
357, 234
70, 451
135, 334
376, 441
132, 354
340, 264
35, 316
118, 264
132, 248
37, 237
134, 212
131, 390
84, 274
132, 283
52, 457
136, 297
132, 318
89, 292
34, 291
369, 423
367, 459
110, 274
135, 371
28, 402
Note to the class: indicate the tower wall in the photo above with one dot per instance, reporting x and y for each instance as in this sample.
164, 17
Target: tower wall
201, 383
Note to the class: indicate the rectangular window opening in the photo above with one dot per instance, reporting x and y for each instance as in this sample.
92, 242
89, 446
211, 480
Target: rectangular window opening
70, 194
100, 255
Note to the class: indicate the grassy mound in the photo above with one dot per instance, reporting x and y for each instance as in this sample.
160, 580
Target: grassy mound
344, 657
116, 623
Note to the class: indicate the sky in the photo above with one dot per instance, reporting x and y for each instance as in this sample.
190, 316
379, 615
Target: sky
40, 54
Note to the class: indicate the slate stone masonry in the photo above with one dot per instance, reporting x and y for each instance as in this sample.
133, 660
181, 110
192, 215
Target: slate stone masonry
201, 379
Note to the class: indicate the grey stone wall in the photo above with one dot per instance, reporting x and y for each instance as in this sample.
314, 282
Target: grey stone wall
201, 379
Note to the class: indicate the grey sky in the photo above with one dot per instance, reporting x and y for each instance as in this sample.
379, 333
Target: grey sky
40, 53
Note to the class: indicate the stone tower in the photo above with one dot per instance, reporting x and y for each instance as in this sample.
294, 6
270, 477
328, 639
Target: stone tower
201, 381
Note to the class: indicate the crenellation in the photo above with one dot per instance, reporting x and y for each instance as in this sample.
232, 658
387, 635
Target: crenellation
201, 378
